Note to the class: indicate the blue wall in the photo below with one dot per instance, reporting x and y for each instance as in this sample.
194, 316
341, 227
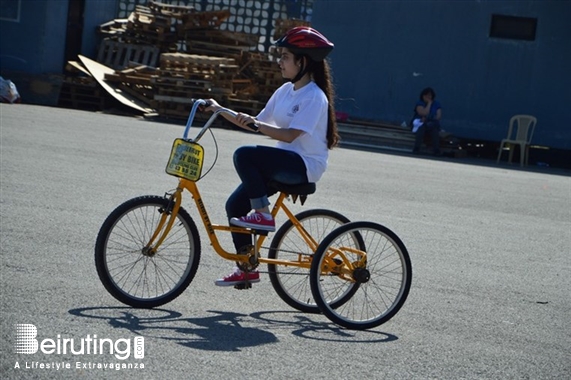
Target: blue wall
97, 12
33, 44
387, 51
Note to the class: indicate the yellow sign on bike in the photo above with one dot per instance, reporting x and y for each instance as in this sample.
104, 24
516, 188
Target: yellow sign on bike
186, 160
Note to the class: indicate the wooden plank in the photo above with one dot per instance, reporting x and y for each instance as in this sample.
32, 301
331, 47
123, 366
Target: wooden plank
195, 59
173, 99
135, 92
119, 55
73, 65
208, 19
175, 11
283, 25
378, 133
98, 71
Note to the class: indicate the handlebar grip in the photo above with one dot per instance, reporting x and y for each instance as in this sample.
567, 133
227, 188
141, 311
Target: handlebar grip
205, 104
253, 127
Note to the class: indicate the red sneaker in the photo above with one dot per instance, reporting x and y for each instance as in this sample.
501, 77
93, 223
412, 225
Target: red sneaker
238, 277
256, 221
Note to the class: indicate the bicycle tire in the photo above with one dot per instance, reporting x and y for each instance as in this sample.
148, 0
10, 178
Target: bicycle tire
385, 280
133, 277
292, 283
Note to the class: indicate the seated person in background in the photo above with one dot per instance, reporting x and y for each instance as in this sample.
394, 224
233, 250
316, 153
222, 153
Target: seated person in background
427, 115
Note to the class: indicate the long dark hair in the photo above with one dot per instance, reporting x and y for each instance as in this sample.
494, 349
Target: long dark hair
321, 74
428, 90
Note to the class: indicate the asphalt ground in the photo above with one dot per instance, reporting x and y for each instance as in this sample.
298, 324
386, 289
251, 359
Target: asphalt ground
490, 247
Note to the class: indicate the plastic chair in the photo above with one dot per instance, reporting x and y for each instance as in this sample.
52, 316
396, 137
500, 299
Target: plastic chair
520, 133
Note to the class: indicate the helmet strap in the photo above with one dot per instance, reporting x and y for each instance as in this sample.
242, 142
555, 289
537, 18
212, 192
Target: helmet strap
304, 69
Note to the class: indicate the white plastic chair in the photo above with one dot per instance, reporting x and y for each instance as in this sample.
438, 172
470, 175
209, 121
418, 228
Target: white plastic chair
520, 133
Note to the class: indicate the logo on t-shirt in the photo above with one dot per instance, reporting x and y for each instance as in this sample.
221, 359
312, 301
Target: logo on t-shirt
294, 110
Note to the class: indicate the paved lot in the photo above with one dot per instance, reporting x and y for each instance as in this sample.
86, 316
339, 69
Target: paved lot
490, 248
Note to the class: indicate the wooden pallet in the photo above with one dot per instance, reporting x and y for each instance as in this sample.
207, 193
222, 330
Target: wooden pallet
394, 137
182, 59
181, 87
250, 107
283, 25
222, 37
146, 26
119, 55
82, 93
202, 20
218, 71
143, 16
143, 93
114, 28
132, 79
174, 11
150, 35
215, 49
197, 60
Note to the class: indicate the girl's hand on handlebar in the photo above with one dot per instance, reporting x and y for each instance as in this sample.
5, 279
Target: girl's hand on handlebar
211, 106
241, 119
244, 120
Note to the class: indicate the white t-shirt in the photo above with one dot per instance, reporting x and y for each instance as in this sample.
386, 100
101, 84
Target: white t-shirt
307, 110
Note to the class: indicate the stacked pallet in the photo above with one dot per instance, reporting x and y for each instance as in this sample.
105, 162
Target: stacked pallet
186, 76
203, 20
119, 55
136, 81
219, 43
145, 26
265, 74
165, 55
170, 10
82, 91
283, 25
154, 25
113, 30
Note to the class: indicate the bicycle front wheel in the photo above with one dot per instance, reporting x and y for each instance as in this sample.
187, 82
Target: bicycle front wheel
131, 273
291, 283
379, 263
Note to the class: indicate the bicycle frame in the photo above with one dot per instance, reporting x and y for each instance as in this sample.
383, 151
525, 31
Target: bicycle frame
359, 273
168, 218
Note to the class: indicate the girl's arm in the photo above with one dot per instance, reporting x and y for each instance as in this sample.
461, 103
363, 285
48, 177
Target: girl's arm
282, 134
242, 120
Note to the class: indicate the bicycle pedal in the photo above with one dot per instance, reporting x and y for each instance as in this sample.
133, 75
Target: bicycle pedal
244, 285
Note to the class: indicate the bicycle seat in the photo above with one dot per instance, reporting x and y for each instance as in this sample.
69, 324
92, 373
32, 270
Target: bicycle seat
299, 189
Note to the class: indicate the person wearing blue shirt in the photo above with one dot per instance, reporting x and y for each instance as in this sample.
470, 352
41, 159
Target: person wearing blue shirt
427, 115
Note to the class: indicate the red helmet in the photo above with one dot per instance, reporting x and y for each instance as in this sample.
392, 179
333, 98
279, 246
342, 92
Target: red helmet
306, 40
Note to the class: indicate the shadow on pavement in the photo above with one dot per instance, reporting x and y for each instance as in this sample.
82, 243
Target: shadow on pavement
223, 331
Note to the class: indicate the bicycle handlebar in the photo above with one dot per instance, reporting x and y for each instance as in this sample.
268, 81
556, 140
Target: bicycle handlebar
202, 102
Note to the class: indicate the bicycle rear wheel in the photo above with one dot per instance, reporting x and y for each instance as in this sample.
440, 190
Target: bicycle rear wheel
131, 273
291, 283
379, 263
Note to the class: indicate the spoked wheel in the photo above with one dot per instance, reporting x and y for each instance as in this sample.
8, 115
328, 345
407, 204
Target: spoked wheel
379, 264
291, 283
136, 275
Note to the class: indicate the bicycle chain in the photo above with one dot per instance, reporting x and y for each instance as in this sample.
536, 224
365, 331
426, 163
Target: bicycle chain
246, 267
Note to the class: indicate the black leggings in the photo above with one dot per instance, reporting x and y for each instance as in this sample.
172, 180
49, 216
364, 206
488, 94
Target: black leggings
257, 166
